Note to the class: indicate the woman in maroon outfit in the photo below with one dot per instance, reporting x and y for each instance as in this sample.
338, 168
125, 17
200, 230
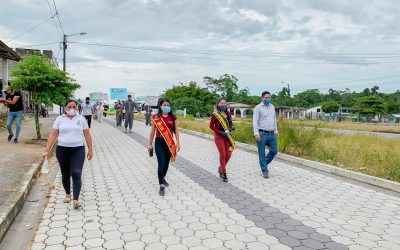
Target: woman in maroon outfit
220, 137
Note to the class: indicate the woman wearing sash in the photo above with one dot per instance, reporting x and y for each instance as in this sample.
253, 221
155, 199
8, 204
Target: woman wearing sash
164, 125
221, 124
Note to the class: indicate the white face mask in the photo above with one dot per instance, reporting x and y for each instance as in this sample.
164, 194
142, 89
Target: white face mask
71, 112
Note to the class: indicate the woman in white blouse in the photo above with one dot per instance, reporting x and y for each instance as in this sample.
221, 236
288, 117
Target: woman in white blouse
69, 130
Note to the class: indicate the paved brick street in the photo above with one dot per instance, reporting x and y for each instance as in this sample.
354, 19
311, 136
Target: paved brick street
295, 208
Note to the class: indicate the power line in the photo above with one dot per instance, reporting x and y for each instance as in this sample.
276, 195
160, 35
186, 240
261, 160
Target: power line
178, 53
58, 17
252, 54
55, 22
35, 45
37, 25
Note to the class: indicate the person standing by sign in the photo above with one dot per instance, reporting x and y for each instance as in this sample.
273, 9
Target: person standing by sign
265, 131
118, 112
148, 114
164, 125
13, 101
69, 130
100, 110
129, 108
221, 123
87, 111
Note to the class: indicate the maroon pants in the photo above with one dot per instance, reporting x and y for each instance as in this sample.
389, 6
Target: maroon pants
225, 154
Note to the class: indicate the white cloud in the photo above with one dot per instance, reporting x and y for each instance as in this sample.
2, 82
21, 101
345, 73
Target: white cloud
219, 36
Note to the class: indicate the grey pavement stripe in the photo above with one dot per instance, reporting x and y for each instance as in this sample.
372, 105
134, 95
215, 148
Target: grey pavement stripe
288, 231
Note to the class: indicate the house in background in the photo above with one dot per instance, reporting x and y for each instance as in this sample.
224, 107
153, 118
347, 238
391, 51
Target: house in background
239, 110
8, 58
291, 112
314, 113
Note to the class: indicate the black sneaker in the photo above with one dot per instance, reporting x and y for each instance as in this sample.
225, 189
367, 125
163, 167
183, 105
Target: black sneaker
266, 176
162, 191
220, 172
224, 177
15, 140
166, 183
10, 137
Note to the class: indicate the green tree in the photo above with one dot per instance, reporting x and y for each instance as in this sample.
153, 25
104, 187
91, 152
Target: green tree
192, 105
45, 83
307, 98
226, 86
330, 107
192, 90
371, 105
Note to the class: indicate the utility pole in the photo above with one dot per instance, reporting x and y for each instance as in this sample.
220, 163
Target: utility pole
64, 51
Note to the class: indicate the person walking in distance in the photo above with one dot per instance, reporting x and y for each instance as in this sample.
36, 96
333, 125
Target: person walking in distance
69, 130
265, 131
148, 114
87, 111
221, 123
15, 105
129, 107
100, 110
118, 112
164, 125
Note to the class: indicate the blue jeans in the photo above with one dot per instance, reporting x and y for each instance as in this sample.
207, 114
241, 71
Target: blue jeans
10, 119
267, 139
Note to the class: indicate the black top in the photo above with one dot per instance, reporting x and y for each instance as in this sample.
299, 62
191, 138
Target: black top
18, 106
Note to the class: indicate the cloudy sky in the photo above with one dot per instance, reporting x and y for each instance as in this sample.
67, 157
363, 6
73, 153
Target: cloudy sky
149, 45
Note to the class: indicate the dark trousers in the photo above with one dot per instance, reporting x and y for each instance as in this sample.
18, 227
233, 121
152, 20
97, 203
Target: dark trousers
119, 118
225, 154
128, 120
148, 119
71, 161
88, 119
163, 157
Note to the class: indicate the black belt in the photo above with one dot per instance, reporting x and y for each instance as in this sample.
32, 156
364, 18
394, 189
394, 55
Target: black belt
266, 131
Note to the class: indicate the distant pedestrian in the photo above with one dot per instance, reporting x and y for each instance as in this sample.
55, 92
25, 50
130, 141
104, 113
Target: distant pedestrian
105, 110
164, 125
222, 125
129, 109
265, 131
100, 110
148, 110
87, 111
69, 130
118, 112
15, 106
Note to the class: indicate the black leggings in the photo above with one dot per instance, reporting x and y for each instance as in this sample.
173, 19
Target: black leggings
163, 158
71, 161
88, 119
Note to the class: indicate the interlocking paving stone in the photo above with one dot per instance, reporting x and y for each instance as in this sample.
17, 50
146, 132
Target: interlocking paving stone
122, 210
245, 199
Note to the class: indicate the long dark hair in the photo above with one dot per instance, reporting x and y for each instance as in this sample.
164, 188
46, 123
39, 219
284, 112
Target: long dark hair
71, 100
219, 100
160, 102
170, 114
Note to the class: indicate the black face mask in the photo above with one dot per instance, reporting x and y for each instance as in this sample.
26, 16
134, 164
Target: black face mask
222, 108
87, 102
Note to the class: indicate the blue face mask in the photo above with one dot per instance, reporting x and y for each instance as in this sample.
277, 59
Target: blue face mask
166, 109
267, 101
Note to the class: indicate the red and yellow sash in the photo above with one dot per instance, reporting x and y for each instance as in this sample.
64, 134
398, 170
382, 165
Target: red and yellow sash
225, 125
166, 134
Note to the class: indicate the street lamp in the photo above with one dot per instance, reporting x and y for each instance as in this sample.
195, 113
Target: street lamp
65, 47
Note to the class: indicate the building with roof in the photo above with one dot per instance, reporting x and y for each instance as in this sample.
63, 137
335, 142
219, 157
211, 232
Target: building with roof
8, 58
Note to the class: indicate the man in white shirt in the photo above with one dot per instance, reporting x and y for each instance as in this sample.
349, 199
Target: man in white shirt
100, 110
265, 131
